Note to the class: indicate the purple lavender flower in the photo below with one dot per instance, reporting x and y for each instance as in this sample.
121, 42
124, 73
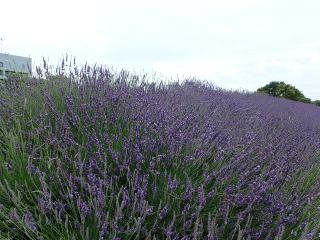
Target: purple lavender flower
101, 200
105, 145
201, 197
163, 212
211, 194
188, 224
185, 238
169, 232
13, 215
186, 208
84, 208
142, 193
173, 184
154, 189
30, 222
309, 236
44, 205
9, 165
188, 191
303, 225
149, 210
103, 231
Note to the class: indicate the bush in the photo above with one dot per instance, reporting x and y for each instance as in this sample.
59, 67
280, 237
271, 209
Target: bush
102, 155
316, 102
280, 89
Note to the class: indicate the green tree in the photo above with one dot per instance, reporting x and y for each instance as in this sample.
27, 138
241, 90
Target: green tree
316, 102
281, 89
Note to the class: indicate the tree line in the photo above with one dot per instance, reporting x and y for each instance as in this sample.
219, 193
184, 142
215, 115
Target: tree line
281, 89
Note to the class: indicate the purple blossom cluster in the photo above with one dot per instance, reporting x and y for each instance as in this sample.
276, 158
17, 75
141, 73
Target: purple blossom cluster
119, 158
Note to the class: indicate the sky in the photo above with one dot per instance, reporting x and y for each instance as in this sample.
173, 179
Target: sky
234, 44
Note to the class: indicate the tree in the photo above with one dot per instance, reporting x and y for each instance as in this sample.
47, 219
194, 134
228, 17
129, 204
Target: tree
281, 89
271, 89
316, 102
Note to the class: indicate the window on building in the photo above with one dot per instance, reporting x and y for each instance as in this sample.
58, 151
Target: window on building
1, 72
1, 64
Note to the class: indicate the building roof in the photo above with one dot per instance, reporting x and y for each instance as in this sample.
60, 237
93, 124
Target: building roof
15, 63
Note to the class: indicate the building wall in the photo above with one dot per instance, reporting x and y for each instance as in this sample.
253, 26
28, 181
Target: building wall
15, 64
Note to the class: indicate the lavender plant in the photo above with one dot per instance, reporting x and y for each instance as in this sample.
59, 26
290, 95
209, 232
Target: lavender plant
96, 154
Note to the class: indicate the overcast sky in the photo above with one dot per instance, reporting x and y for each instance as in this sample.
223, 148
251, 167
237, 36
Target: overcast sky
238, 44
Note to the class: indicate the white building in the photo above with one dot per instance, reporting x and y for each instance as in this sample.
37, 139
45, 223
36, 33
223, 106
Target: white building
14, 64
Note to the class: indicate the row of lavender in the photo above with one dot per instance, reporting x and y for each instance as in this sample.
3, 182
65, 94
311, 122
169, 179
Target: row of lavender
100, 155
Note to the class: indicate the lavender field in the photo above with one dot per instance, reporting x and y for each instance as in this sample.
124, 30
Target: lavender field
97, 154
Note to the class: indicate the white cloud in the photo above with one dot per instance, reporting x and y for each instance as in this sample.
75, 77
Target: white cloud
200, 68
236, 43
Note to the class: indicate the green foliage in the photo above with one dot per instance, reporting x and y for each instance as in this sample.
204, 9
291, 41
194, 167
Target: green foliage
316, 102
281, 89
